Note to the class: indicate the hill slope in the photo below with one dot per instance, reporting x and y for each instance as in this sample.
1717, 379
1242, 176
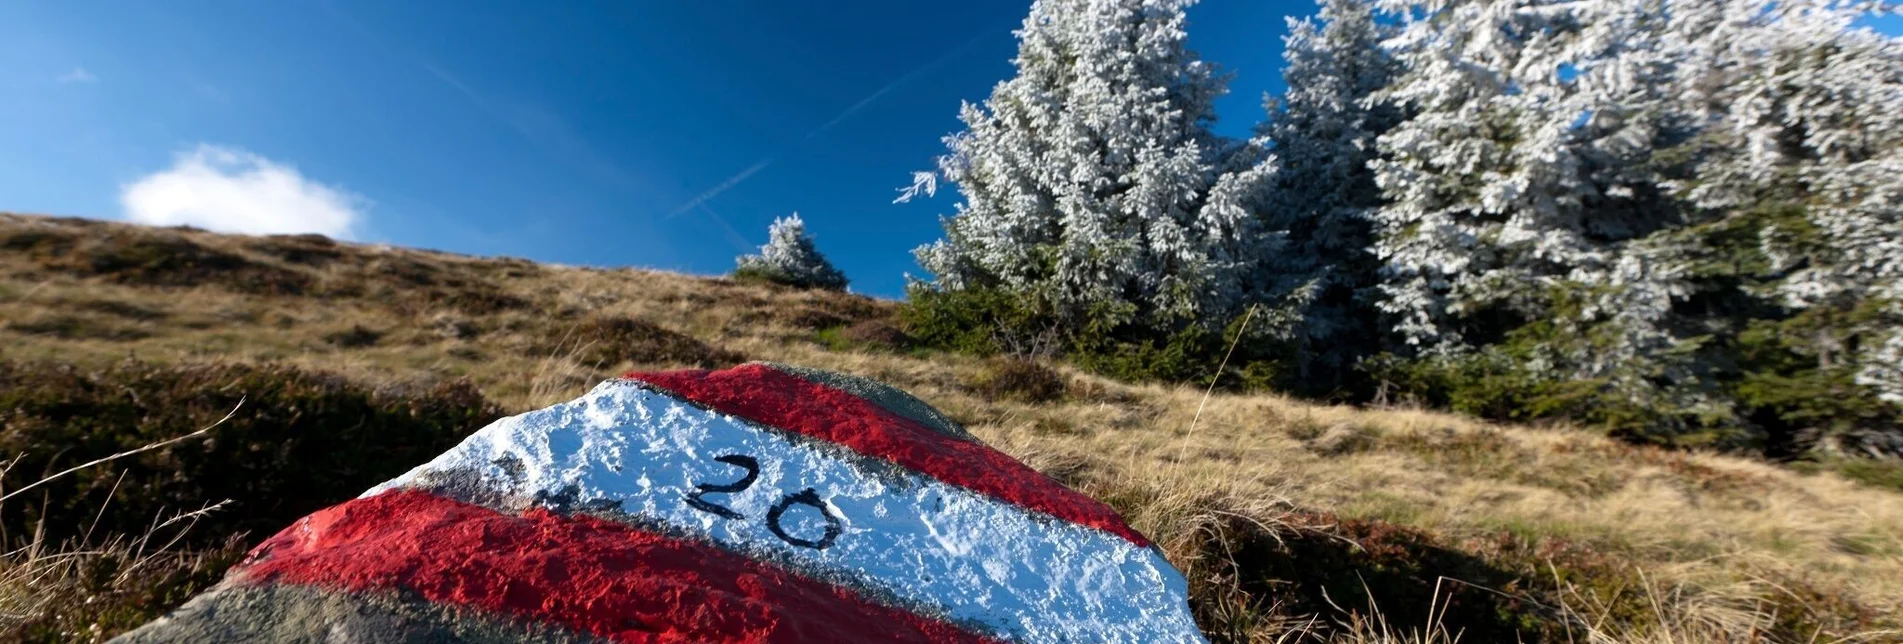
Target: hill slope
1291, 519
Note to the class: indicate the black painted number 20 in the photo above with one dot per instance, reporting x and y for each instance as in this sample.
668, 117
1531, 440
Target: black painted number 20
807, 496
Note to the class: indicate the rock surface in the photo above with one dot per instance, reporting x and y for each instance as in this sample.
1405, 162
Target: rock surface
762, 503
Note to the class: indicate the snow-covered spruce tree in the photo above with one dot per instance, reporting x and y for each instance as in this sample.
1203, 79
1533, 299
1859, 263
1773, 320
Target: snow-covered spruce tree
1518, 212
1798, 180
1323, 132
1093, 190
1666, 198
790, 258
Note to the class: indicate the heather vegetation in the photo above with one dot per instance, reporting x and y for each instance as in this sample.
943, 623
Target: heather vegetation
1294, 521
1675, 221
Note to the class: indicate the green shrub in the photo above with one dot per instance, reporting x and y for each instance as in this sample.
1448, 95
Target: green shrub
1183, 356
762, 275
302, 441
873, 335
1494, 384
1874, 473
1887, 474
1798, 396
980, 322
987, 322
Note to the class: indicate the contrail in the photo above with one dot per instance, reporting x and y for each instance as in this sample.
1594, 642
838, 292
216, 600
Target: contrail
902, 80
732, 235
751, 170
723, 187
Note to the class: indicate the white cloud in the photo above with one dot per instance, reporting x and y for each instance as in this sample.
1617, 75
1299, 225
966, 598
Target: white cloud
232, 190
78, 75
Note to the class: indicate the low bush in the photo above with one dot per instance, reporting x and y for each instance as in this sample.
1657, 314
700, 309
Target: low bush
73, 327
1886, 473
807, 317
761, 275
876, 333
1020, 380
474, 298
975, 321
867, 335
116, 308
302, 441
606, 341
1344, 573
420, 287
309, 250
357, 336
1493, 384
988, 322
158, 258
39, 241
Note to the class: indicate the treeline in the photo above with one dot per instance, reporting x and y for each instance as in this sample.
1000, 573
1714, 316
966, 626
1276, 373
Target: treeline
1681, 220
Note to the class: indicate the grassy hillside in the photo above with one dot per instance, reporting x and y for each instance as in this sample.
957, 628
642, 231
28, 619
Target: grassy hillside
1293, 521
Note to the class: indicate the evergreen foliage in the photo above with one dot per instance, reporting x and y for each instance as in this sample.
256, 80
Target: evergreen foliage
1323, 133
1093, 189
790, 258
1681, 202
1679, 219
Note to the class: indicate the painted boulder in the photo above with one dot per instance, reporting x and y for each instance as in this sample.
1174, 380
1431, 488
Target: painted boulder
762, 503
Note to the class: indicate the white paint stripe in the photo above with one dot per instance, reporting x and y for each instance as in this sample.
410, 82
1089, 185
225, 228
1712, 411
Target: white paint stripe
954, 554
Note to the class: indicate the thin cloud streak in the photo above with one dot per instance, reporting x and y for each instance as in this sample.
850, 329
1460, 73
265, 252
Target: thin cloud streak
733, 236
544, 129
902, 80
77, 75
723, 187
762, 164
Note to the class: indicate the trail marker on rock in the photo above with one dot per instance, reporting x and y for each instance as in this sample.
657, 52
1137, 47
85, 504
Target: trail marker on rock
762, 503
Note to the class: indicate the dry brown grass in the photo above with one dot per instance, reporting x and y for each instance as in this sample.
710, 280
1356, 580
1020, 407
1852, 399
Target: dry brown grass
1725, 548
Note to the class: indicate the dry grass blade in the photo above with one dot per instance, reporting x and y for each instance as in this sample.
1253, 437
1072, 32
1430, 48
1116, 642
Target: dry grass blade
1240, 331
130, 452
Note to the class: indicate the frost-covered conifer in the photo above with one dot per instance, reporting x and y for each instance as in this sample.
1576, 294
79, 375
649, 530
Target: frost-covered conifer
1323, 133
1589, 175
1484, 184
790, 258
1805, 141
1091, 184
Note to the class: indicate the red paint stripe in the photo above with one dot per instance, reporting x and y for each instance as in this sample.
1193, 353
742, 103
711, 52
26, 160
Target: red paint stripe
766, 395
578, 572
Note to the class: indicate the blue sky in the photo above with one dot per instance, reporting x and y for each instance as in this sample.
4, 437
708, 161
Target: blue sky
574, 132
564, 132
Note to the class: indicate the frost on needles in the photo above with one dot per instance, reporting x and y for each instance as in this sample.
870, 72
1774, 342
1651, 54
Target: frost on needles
1092, 185
1678, 217
790, 258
